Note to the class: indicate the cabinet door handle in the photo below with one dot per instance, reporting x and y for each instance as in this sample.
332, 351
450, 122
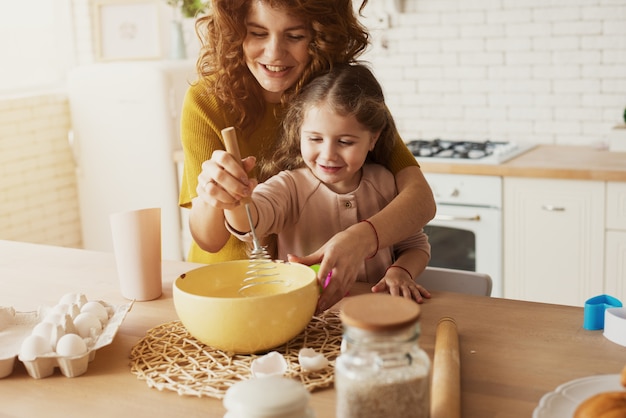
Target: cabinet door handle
552, 208
474, 218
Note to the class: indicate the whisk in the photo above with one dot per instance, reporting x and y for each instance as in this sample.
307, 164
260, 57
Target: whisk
261, 267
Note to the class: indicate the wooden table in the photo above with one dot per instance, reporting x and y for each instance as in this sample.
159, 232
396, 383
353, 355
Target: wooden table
512, 352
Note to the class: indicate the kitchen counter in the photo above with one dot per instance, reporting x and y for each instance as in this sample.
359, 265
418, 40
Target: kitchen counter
546, 161
511, 352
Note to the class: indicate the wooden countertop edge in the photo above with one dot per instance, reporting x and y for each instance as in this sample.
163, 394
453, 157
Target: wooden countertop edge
547, 161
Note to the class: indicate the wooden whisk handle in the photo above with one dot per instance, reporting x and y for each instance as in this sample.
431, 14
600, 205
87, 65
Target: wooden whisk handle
232, 147
230, 142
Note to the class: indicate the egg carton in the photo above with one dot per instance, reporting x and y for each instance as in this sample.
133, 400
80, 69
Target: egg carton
16, 327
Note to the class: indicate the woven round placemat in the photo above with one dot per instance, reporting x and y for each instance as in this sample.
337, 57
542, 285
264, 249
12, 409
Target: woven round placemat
169, 358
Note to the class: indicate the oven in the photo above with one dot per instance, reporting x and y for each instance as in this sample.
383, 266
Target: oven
466, 233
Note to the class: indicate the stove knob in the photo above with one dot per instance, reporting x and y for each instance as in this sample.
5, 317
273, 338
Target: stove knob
475, 154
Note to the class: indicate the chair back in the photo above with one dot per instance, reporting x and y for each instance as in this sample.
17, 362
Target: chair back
452, 280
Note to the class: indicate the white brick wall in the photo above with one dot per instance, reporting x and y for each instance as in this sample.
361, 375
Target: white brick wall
546, 71
38, 198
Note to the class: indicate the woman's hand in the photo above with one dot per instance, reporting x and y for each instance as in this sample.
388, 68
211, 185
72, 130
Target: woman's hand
223, 182
221, 185
398, 282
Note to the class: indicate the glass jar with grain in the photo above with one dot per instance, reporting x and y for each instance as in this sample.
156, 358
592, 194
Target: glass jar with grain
381, 371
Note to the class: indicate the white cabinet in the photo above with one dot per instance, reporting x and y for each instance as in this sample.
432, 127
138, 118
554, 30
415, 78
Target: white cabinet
554, 235
615, 269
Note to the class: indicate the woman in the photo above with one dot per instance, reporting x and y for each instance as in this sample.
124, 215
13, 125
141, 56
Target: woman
255, 56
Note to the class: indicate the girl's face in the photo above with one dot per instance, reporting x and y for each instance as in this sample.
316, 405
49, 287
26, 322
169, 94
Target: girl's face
275, 48
334, 147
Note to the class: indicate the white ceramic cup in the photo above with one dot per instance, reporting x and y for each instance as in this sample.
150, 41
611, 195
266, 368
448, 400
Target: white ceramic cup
137, 245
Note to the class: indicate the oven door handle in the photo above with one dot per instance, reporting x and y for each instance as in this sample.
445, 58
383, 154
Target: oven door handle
475, 218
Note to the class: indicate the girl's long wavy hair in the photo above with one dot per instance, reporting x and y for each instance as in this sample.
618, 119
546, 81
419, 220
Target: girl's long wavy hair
349, 90
337, 37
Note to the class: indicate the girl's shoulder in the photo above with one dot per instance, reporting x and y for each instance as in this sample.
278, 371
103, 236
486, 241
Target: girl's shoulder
371, 170
377, 178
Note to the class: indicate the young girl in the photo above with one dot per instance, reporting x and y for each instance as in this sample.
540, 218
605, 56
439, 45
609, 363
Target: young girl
336, 134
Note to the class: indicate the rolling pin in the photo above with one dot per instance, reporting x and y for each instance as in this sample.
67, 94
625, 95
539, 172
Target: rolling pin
446, 383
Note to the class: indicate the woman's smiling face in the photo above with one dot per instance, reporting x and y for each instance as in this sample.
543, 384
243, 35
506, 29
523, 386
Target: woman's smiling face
275, 48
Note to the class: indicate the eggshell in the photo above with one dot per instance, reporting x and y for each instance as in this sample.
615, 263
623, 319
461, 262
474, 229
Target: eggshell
87, 324
71, 345
311, 360
271, 364
97, 309
34, 346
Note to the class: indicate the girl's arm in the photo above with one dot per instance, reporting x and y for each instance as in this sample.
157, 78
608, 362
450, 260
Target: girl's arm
412, 258
237, 217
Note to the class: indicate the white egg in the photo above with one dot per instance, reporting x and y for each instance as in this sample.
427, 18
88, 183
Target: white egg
51, 332
54, 318
311, 360
85, 322
34, 346
61, 308
97, 309
71, 345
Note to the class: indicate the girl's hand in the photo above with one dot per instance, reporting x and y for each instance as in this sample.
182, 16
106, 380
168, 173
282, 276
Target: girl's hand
342, 255
222, 183
397, 282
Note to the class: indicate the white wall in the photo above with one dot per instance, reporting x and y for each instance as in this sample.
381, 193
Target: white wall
547, 71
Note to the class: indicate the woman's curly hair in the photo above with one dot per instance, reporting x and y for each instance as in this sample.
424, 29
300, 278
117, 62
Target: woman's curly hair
337, 37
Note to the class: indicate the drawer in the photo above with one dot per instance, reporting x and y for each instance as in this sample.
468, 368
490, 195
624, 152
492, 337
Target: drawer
616, 205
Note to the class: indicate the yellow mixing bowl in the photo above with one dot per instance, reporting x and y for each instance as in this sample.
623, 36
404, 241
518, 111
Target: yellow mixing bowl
211, 306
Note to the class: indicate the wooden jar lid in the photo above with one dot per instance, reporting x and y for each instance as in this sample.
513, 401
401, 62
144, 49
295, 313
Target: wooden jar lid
379, 312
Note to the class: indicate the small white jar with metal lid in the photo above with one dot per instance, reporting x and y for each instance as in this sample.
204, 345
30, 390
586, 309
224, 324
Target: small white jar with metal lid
268, 397
382, 371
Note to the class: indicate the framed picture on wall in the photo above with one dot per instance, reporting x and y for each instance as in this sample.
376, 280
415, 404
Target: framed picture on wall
126, 30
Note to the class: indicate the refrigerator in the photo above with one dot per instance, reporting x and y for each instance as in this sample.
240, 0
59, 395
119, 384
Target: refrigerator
125, 129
